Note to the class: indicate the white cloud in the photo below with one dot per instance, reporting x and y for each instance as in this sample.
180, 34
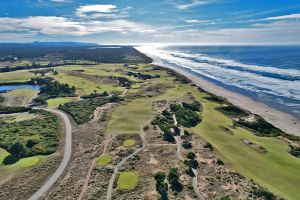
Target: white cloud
194, 3
291, 16
98, 11
52, 25
197, 21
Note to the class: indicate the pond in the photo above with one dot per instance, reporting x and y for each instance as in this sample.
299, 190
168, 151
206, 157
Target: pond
5, 88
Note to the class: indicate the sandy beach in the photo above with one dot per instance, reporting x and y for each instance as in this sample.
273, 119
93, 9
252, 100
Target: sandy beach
284, 121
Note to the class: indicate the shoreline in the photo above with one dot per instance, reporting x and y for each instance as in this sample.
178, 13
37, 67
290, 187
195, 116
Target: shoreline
279, 119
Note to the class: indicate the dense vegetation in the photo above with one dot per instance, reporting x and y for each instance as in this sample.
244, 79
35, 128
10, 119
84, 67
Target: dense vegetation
52, 89
186, 116
82, 111
2, 99
142, 76
78, 51
30, 137
27, 66
94, 95
161, 185
295, 151
233, 111
9, 110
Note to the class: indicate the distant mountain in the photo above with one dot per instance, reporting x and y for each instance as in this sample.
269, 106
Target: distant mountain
48, 44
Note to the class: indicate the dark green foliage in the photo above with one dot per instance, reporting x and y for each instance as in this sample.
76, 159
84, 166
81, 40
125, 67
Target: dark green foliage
17, 149
194, 106
186, 144
9, 110
173, 178
264, 194
82, 111
219, 162
215, 98
10, 159
175, 107
165, 122
51, 89
261, 127
187, 133
295, 151
142, 76
186, 117
208, 146
191, 155
233, 111
168, 136
176, 131
94, 95
225, 198
161, 186
26, 138
124, 82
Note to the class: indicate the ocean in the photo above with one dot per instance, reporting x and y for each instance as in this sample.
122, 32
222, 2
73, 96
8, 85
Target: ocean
268, 74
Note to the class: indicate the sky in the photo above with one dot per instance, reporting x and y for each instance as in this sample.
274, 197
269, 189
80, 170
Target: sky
151, 21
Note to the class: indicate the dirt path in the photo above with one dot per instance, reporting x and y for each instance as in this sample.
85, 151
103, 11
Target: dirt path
67, 155
116, 169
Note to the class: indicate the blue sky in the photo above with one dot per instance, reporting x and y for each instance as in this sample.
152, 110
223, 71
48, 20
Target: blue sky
151, 21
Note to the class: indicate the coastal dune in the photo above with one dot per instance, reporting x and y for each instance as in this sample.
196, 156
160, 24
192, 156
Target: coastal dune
284, 121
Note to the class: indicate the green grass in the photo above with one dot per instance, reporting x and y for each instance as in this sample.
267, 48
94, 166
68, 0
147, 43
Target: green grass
131, 117
3, 154
21, 97
29, 162
277, 169
16, 76
129, 143
103, 160
127, 180
54, 103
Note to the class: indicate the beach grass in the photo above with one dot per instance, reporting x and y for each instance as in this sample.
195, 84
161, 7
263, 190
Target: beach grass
131, 117
103, 160
127, 180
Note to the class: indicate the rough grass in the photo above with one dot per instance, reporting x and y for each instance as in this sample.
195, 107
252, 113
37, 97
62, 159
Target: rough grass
103, 160
16, 117
54, 103
21, 97
277, 169
129, 143
127, 180
131, 117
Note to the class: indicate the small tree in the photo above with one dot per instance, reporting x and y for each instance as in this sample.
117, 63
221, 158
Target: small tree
173, 178
17, 149
191, 155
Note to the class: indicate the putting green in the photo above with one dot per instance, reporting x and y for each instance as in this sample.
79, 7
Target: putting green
127, 180
103, 160
28, 162
129, 143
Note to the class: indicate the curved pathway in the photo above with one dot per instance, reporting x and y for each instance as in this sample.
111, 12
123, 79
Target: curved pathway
116, 170
67, 155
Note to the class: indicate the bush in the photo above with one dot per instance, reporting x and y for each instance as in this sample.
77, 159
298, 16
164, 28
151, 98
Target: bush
9, 110
233, 111
191, 155
264, 194
173, 178
295, 151
219, 162
161, 186
10, 159
187, 118
208, 146
187, 133
194, 106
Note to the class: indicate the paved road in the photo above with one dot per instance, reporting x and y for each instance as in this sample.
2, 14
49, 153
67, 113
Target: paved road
67, 155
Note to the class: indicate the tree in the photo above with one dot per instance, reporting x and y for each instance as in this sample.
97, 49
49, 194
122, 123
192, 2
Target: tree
160, 176
161, 186
17, 149
191, 155
173, 178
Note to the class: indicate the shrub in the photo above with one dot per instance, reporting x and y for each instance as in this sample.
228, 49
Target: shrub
191, 155
187, 133
219, 162
173, 178
264, 194
187, 118
194, 106
208, 146
233, 111
10, 159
